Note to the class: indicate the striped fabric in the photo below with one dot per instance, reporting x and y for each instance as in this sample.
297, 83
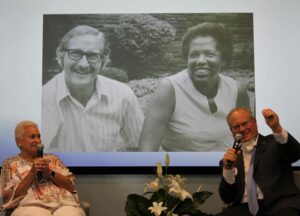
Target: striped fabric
111, 120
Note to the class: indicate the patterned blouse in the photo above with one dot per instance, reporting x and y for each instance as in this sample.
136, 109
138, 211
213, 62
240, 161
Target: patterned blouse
44, 193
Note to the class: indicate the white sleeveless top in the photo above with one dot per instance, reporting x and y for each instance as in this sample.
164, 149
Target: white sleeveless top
192, 126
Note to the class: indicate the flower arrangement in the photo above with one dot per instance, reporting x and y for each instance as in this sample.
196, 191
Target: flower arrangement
167, 197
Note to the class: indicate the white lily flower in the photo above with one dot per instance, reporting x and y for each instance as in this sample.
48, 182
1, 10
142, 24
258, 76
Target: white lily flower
178, 191
184, 195
164, 187
159, 169
152, 186
157, 208
174, 186
180, 180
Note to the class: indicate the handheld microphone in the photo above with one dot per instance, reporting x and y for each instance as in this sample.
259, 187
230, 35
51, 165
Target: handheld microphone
39, 153
236, 145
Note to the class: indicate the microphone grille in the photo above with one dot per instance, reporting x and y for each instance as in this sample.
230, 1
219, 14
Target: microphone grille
238, 137
40, 146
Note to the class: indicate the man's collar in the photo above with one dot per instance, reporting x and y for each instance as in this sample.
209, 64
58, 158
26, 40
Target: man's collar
62, 89
249, 145
102, 88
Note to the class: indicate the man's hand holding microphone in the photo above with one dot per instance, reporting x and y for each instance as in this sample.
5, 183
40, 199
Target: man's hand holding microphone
230, 157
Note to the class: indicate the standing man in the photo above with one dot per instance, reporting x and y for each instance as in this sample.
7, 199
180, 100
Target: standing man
83, 111
258, 180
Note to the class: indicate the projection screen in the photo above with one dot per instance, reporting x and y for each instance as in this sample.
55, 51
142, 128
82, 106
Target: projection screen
265, 50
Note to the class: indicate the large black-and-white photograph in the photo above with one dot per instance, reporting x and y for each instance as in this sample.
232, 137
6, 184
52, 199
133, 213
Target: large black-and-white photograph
145, 82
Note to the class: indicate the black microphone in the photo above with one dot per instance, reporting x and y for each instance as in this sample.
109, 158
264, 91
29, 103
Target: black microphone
39, 153
236, 145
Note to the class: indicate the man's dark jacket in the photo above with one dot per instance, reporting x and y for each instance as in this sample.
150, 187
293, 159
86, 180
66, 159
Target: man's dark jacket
273, 174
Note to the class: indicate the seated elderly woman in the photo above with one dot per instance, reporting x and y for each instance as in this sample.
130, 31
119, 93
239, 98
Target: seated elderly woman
51, 193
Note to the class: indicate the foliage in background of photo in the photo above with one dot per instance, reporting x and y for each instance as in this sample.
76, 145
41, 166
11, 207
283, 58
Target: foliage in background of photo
142, 38
147, 47
141, 35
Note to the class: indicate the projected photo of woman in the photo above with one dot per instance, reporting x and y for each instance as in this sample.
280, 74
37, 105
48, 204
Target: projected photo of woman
188, 110
102, 73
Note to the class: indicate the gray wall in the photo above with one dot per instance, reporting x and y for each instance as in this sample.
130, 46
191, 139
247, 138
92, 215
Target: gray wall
107, 193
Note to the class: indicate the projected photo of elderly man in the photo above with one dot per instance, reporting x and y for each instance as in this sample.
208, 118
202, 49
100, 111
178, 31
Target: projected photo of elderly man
188, 110
83, 111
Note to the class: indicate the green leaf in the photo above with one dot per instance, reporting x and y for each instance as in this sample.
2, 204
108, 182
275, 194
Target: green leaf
184, 207
159, 196
172, 201
192, 207
148, 192
137, 205
202, 196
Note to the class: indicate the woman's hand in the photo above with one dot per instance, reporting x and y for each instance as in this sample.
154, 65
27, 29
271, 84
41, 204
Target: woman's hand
41, 164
